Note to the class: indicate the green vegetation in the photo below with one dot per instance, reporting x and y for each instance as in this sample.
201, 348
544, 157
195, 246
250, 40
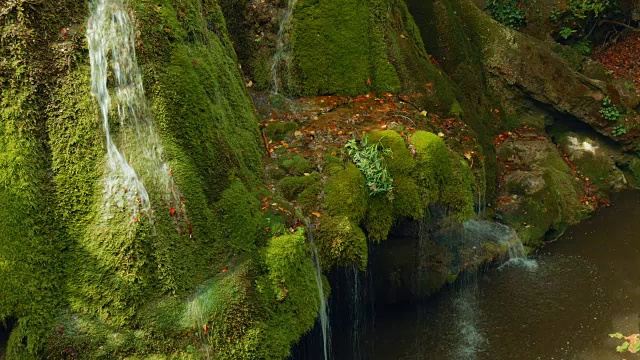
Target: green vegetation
609, 110
339, 47
368, 159
619, 130
631, 343
581, 17
507, 12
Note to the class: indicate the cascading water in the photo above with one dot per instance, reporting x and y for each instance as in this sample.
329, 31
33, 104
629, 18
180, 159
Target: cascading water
323, 312
111, 33
282, 45
503, 235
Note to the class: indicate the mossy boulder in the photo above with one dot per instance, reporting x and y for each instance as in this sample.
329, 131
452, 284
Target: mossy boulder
293, 292
304, 190
346, 195
541, 195
341, 242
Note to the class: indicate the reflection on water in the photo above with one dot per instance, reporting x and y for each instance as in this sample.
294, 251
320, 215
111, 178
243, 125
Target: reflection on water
585, 286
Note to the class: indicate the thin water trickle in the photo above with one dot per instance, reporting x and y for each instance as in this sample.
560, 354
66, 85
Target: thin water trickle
282, 53
323, 311
139, 156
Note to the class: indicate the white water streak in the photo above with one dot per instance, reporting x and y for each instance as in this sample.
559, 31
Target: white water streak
111, 34
282, 53
323, 312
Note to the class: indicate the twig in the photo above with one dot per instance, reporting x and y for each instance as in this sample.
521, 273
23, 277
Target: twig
617, 23
405, 117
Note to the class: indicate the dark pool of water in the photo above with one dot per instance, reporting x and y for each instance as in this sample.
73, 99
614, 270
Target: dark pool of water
586, 286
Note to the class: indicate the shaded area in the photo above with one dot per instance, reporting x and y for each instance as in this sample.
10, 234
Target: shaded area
5, 330
584, 289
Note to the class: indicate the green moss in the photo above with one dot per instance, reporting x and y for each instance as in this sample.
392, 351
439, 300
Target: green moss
341, 243
302, 189
331, 164
339, 48
241, 216
290, 291
296, 165
399, 161
279, 131
457, 193
406, 202
379, 218
346, 194
433, 163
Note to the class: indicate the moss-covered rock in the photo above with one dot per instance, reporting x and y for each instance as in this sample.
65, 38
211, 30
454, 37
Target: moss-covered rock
541, 196
341, 242
346, 195
292, 294
338, 47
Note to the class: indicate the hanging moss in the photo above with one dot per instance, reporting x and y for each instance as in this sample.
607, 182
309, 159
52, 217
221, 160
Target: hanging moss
341, 243
379, 218
346, 195
290, 293
457, 194
433, 162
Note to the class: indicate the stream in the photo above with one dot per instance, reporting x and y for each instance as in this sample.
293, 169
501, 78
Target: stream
584, 288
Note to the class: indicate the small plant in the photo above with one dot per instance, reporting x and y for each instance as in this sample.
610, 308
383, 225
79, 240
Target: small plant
619, 130
631, 343
608, 73
609, 111
566, 32
368, 159
555, 15
507, 12
584, 47
629, 86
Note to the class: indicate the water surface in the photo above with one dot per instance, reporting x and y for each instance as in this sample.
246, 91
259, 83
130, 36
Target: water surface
586, 286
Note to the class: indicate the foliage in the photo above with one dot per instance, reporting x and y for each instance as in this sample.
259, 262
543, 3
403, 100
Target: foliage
584, 47
507, 12
368, 158
631, 343
566, 32
581, 16
609, 110
619, 130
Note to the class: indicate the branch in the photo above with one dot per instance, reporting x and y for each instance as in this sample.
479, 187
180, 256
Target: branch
617, 23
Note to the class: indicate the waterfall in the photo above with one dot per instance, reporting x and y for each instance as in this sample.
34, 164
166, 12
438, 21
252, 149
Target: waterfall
323, 313
503, 235
518, 256
282, 45
111, 34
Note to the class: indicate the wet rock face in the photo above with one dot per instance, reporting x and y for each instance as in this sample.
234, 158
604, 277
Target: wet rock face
538, 192
595, 160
